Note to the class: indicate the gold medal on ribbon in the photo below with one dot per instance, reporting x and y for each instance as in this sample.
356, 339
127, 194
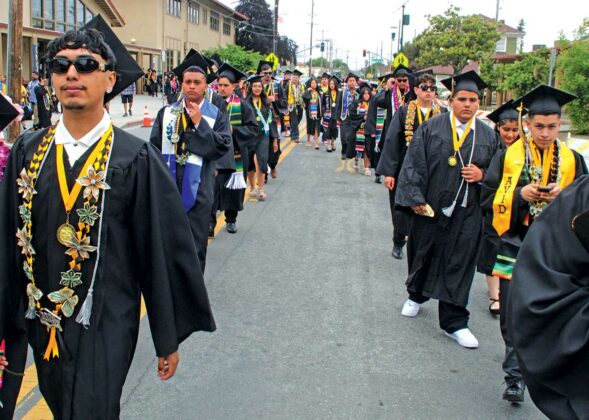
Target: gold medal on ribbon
452, 161
65, 234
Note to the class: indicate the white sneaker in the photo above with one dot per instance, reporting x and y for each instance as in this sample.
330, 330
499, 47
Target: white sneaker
465, 338
410, 308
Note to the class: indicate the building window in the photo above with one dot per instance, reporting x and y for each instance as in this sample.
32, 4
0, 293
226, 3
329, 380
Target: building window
226, 26
193, 11
214, 21
59, 15
501, 46
169, 60
174, 7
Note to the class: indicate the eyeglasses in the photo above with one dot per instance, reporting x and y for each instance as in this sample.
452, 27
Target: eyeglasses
425, 88
266, 73
401, 80
61, 65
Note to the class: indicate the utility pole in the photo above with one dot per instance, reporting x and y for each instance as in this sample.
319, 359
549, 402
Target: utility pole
311, 41
497, 11
275, 26
14, 56
402, 27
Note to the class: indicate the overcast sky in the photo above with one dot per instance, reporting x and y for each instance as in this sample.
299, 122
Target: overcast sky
366, 24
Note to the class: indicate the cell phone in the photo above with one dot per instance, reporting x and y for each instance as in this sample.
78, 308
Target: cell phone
545, 189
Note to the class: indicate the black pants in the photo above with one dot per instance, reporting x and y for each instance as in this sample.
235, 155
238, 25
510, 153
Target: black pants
231, 216
510, 363
400, 222
452, 317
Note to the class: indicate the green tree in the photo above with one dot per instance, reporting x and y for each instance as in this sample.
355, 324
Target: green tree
455, 40
528, 73
237, 56
573, 65
319, 62
340, 68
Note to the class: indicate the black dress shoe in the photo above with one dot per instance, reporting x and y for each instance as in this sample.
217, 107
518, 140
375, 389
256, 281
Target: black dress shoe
232, 227
515, 390
211, 231
377, 179
398, 252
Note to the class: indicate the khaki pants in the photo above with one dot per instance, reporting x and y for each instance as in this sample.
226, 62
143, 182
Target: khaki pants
35, 114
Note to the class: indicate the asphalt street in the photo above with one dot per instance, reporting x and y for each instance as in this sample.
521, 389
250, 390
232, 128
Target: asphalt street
307, 300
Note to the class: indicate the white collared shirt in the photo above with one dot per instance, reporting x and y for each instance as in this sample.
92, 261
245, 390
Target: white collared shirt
76, 148
460, 127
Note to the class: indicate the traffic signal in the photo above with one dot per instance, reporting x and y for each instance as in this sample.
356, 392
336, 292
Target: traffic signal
322, 46
363, 53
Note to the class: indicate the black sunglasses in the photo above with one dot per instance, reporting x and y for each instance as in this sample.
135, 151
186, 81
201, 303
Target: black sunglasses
402, 80
266, 73
425, 88
82, 64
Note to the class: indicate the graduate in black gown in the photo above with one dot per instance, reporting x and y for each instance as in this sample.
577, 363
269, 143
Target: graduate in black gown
398, 136
344, 102
439, 178
329, 119
374, 129
230, 185
513, 197
397, 93
43, 103
272, 92
258, 150
124, 234
548, 306
192, 134
312, 99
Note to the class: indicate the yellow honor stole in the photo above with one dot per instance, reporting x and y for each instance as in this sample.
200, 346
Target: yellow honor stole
515, 159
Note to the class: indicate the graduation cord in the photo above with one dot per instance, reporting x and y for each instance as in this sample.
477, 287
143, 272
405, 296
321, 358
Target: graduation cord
448, 211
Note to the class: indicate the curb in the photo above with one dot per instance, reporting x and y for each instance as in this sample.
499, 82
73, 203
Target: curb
134, 124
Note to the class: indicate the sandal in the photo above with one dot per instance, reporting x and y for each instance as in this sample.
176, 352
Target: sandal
261, 195
494, 311
254, 193
367, 172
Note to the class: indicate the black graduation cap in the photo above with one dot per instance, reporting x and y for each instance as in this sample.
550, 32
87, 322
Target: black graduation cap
288, 72
7, 112
297, 72
507, 111
545, 100
373, 83
351, 75
192, 59
325, 74
127, 69
365, 85
401, 70
230, 72
469, 81
254, 78
308, 82
385, 77
211, 77
338, 81
264, 65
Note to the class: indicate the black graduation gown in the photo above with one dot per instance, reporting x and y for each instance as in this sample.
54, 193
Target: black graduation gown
273, 156
520, 208
347, 124
262, 153
244, 136
444, 249
210, 143
383, 99
144, 250
548, 308
355, 121
327, 103
313, 125
42, 111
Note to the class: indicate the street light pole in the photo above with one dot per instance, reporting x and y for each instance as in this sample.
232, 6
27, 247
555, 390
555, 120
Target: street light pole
402, 27
15, 45
311, 41
275, 43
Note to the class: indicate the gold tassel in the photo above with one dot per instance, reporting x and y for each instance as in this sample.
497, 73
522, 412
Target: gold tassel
520, 129
52, 350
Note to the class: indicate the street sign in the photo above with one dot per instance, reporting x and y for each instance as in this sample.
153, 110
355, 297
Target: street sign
274, 60
377, 61
401, 59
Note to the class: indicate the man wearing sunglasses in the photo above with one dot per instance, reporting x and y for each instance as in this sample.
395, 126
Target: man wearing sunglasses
272, 90
438, 183
398, 137
107, 226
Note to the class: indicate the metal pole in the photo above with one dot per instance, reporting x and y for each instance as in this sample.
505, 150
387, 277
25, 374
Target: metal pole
402, 27
552, 63
14, 65
311, 41
275, 26
497, 11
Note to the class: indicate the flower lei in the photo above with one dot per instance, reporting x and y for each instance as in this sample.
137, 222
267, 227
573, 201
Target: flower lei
266, 122
78, 248
396, 100
534, 172
4, 151
410, 118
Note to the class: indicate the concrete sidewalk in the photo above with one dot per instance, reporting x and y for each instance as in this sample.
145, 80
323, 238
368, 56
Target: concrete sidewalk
117, 111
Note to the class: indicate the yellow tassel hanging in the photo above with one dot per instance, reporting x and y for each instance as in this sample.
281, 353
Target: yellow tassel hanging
52, 350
